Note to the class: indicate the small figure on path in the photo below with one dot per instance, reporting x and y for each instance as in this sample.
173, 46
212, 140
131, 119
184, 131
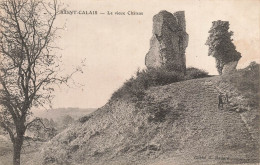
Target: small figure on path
227, 97
220, 101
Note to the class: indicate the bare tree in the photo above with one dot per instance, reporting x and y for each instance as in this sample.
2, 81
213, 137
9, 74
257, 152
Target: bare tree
29, 68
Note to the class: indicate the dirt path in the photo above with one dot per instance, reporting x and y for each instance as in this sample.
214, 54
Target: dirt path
221, 134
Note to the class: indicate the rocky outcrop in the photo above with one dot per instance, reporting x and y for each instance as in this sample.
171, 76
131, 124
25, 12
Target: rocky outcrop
169, 41
229, 67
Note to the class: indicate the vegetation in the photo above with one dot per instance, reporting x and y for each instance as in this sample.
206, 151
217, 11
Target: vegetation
220, 44
29, 66
161, 111
180, 116
134, 88
194, 73
43, 131
49, 128
34, 139
247, 82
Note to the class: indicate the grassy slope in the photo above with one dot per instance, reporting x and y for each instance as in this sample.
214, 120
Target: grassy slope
190, 128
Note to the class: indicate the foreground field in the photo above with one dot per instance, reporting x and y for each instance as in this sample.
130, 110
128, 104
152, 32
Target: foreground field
30, 154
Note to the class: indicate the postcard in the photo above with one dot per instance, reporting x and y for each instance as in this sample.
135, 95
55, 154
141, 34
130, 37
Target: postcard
129, 82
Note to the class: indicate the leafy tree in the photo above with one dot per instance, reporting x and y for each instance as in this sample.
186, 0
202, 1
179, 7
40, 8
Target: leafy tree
29, 66
220, 44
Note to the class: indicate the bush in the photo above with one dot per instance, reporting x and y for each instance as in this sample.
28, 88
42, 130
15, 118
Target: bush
134, 88
161, 111
247, 82
193, 73
84, 119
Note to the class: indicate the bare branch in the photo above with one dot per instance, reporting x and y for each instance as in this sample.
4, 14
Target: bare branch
28, 68
11, 134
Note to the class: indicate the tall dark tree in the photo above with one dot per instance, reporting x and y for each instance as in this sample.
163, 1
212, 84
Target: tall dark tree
220, 44
29, 68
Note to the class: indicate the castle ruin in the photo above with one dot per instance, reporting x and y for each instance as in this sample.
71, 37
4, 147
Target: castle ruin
169, 42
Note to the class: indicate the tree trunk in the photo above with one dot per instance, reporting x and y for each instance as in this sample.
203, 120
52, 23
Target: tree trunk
17, 146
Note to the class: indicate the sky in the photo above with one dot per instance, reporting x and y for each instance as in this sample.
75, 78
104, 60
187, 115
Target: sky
115, 46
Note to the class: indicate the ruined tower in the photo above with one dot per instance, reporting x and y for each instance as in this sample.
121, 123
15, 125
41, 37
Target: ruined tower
222, 48
169, 41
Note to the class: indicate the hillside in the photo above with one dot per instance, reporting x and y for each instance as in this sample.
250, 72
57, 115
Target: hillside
179, 123
60, 112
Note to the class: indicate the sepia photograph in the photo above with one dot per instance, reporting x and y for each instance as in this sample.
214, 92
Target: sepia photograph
129, 82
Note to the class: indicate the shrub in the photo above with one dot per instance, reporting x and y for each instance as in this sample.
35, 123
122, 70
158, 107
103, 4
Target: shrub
134, 88
193, 73
162, 111
158, 111
247, 82
84, 119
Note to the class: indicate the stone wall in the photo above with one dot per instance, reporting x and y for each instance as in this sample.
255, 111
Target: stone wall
169, 41
222, 48
229, 67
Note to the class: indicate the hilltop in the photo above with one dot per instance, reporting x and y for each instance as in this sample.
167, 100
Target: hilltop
177, 123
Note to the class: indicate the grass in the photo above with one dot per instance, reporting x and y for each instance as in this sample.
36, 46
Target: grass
247, 81
29, 154
5, 146
175, 122
134, 88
